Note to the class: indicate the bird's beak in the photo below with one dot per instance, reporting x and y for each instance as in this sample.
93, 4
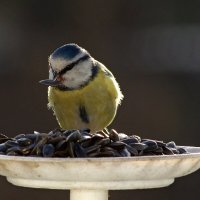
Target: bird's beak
50, 82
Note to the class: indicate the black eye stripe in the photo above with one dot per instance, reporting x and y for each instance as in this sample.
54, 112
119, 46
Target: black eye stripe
70, 66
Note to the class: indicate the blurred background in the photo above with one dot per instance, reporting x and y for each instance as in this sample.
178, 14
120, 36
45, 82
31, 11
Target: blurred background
152, 47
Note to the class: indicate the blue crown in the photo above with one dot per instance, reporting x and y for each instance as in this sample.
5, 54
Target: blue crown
67, 51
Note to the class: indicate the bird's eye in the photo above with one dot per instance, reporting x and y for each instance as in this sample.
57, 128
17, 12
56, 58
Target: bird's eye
67, 68
70, 66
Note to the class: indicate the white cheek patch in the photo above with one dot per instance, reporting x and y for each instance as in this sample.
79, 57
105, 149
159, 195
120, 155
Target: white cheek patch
79, 75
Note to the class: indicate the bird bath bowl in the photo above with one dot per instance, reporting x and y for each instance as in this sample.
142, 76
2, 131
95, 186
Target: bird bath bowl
91, 178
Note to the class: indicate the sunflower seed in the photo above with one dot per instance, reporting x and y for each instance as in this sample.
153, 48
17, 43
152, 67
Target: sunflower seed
48, 150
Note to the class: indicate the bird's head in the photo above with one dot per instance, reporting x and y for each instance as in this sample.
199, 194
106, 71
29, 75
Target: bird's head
70, 67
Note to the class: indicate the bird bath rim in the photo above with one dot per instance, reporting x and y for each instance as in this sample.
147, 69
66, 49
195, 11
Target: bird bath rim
193, 152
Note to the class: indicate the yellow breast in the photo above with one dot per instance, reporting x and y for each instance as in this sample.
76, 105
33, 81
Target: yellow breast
92, 106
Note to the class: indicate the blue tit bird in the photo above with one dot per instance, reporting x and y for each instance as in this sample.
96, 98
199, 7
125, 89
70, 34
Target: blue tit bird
82, 92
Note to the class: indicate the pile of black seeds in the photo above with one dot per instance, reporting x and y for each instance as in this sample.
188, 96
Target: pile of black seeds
81, 143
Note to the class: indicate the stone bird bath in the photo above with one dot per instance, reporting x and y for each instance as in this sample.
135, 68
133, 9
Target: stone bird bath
91, 178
